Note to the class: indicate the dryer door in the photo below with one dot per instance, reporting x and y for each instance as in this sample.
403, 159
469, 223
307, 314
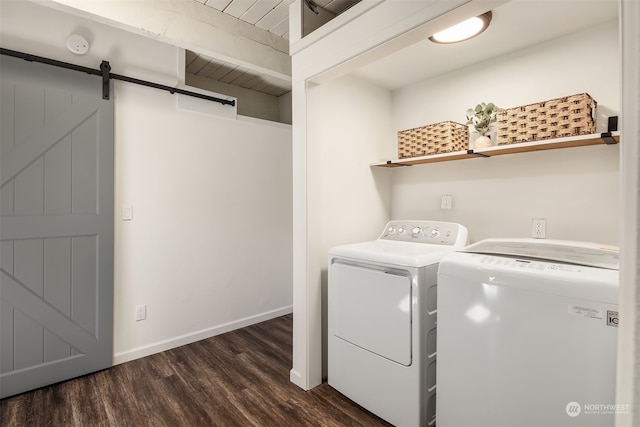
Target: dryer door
371, 308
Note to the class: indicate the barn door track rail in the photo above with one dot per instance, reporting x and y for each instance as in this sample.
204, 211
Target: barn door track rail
107, 75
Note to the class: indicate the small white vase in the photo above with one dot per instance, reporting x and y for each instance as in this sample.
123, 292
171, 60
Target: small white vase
488, 139
482, 141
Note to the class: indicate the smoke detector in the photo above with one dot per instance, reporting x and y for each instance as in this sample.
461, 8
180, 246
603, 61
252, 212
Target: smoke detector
77, 44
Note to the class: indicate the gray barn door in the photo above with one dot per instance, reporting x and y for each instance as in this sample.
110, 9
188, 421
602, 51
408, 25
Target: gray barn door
56, 225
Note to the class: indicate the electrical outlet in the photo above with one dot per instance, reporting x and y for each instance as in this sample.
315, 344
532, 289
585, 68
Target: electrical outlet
141, 312
446, 202
539, 228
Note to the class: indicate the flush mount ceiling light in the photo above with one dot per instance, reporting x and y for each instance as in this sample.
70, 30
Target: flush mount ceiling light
464, 30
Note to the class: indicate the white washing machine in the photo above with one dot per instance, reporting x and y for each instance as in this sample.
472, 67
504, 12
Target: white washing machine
527, 334
382, 319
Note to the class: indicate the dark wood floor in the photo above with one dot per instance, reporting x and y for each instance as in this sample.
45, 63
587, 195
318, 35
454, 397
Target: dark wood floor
236, 379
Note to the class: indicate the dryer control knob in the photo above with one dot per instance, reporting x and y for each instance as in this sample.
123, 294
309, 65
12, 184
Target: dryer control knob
417, 232
401, 231
434, 233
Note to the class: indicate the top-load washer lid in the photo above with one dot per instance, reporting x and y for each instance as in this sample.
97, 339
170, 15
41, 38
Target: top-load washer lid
569, 252
416, 243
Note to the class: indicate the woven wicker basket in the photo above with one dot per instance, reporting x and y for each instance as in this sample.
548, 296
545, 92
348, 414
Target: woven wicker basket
567, 116
443, 137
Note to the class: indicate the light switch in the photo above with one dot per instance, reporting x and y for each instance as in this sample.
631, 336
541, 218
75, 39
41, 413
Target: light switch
127, 212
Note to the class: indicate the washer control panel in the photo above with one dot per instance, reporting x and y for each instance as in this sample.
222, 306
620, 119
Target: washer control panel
434, 232
526, 264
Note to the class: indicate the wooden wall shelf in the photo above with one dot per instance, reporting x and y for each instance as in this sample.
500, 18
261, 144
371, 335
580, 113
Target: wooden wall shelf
607, 138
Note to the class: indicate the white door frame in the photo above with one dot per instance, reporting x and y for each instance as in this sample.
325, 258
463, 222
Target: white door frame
628, 377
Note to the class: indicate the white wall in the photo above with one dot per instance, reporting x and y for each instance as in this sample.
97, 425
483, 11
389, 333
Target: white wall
354, 198
575, 190
209, 248
210, 242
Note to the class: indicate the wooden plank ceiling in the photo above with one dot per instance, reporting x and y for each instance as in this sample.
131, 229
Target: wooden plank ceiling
270, 15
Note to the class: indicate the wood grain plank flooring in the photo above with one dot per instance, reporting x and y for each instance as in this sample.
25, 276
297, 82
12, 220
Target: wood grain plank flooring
240, 378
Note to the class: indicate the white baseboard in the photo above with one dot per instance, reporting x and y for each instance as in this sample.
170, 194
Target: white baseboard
294, 377
158, 347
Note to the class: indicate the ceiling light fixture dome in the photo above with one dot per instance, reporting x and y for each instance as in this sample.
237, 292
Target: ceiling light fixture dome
464, 30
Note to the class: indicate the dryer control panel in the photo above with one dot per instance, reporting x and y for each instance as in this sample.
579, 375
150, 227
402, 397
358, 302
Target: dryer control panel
434, 232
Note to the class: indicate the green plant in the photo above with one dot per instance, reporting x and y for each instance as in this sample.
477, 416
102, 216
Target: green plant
482, 116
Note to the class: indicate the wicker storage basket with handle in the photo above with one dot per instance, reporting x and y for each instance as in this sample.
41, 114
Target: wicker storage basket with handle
443, 137
561, 117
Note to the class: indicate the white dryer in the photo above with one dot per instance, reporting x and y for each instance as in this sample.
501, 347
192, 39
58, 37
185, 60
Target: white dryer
527, 334
382, 305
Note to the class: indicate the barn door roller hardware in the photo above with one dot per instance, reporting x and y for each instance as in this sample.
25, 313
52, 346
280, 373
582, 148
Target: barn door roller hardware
105, 68
106, 74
